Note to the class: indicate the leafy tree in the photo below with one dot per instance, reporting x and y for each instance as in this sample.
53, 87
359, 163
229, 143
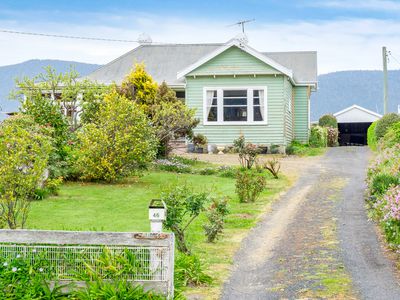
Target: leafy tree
328, 121
183, 206
59, 100
172, 120
170, 117
24, 152
118, 143
139, 86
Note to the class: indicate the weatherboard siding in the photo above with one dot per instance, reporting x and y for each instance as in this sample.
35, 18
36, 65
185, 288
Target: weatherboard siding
288, 91
271, 133
234, 61
301, 114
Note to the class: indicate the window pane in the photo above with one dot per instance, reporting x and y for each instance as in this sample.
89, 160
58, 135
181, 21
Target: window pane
235, 93
214, 101
256, 93
235, 113
257, 114
235, 101
212, 115
256, 101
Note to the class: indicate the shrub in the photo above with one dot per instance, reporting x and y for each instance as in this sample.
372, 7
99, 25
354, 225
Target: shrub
318, 136
172, 165
332, 136
208, 171
120, 143
108, 280
227, 171
50, 187
183, 206
273, 166
389, 206
328, 121
216, 217
199, 140
22, 279
247, 152
185, 160
189, 271
274, 149
392, 136
384, 123
249, 185
381, 183
371, 136
24, 154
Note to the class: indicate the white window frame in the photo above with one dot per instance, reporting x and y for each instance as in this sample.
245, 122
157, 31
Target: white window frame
220, 105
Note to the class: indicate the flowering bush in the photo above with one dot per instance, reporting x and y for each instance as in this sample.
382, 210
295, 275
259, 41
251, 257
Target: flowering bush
332, 136
392, 200
383, 180
172, 165
247, 152
318, 136
249, 185
216, 218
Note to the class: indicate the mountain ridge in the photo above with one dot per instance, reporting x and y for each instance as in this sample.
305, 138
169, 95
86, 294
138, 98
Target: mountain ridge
336, 90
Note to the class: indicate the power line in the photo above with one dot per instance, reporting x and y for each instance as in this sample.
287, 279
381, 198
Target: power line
67, 36
394, 58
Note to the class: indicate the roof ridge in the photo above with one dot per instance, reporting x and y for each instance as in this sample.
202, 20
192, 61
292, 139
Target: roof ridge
280, 52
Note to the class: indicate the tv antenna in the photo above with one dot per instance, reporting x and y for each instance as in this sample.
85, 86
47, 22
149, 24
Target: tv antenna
241, 23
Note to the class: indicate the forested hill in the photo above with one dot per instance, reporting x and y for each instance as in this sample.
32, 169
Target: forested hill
336, 91
339, 90
31, 68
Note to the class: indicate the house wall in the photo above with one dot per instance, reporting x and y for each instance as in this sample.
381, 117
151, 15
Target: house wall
234, 61
271, 133
288, 100
301, 113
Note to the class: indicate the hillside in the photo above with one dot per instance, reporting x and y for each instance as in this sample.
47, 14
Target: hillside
31, 68
336, 90
339, 90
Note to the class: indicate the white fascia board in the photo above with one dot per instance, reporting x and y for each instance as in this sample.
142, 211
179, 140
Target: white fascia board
355, 106
245, 48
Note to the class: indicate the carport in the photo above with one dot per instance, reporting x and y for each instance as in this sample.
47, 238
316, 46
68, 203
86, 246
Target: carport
353, 123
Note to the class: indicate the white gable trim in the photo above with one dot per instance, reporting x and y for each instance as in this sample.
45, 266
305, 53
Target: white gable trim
359, 108
245, 48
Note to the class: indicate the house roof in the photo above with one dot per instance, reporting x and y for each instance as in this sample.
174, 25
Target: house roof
356, 114
167, 62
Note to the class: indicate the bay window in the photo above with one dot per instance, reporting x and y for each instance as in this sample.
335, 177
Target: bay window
235, 105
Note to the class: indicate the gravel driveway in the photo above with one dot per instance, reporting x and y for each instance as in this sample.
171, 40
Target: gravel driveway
317, 242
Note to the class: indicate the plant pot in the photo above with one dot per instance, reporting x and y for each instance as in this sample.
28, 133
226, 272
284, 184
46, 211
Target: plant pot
199, 150
190, 148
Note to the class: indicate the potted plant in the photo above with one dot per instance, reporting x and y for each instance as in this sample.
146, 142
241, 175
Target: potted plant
200, 142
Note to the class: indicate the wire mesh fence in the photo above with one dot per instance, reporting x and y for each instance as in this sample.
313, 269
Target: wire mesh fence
141, 257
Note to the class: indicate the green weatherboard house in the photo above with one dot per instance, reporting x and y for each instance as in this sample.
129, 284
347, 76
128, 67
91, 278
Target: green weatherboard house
235, 89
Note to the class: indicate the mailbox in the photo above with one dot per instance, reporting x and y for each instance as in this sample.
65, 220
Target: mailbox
157, 214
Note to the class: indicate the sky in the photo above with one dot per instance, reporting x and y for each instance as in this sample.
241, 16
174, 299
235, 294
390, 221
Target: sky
348, 35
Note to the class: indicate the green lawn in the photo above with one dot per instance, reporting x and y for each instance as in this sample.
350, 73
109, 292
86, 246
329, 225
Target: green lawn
123, 207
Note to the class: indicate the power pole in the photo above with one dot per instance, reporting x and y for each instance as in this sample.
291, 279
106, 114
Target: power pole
385, 80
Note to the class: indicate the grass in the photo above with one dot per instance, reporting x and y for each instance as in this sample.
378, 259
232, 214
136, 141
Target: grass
123, 207
296, 148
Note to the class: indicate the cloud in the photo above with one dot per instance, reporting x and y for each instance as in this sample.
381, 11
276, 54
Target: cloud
345, 44
375, 5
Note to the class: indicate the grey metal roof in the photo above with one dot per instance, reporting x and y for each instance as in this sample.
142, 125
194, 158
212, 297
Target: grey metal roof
164, 61
302, 63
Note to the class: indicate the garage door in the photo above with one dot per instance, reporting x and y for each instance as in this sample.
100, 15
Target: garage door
353, 134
